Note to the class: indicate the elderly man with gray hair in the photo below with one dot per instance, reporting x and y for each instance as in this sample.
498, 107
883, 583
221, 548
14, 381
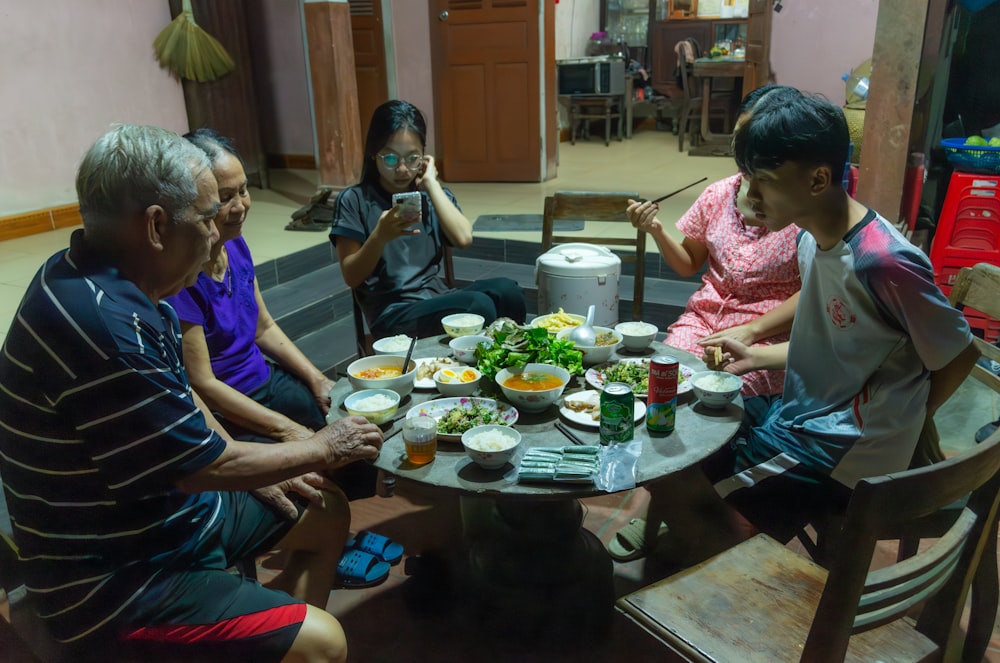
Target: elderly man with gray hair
127, 506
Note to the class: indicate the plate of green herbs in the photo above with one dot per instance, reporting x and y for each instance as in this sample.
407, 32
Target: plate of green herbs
515, 345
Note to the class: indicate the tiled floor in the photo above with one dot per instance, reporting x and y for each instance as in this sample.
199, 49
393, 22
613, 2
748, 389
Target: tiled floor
403, 620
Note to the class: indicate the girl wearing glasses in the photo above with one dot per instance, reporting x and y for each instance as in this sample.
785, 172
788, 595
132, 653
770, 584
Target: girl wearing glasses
393, 260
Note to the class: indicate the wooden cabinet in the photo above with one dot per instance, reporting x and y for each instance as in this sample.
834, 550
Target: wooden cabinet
630, 20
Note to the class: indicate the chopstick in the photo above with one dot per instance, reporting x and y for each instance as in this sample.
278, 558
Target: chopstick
409, 353
570, 435
674, 193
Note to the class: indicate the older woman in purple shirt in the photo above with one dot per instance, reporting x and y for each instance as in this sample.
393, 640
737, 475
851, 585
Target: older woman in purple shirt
228, 331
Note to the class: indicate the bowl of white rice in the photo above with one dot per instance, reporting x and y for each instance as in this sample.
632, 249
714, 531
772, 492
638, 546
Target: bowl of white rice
491, 446
716, 389
392, 345
462, 324
636, 336
375, 405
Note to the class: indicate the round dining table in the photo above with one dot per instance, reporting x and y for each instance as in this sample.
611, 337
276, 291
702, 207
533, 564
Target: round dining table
523, 539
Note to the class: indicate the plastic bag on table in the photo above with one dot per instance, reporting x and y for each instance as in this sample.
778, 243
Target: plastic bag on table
618, 466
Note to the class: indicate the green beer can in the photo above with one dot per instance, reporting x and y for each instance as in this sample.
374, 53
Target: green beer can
617, 413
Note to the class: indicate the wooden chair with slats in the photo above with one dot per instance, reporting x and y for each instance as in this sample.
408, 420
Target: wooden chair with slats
691, 108
604, 207
362, 335
759, 601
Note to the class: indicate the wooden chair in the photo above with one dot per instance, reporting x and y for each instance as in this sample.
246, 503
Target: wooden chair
690, 113
759, 601
595, 206
362, 334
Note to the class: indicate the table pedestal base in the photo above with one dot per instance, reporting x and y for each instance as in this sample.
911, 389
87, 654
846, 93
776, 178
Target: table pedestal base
534, 570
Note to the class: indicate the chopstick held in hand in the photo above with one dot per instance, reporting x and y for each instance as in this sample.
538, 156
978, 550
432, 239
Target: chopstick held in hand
674, 193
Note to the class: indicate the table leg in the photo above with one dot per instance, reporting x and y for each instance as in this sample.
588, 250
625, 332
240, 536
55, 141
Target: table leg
706, 102
533, 559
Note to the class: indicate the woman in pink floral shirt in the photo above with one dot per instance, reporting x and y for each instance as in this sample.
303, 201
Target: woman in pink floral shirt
751, 285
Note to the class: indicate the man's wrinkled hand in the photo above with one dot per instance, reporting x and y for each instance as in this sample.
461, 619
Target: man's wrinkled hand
308, 485
350, 439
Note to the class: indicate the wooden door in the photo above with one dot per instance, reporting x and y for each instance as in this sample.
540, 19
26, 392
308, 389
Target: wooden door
228, 104
487, 89
757, 71
369, 58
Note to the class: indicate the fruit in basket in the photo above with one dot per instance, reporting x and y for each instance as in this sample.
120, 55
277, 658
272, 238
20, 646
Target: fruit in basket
976, 141
994, 142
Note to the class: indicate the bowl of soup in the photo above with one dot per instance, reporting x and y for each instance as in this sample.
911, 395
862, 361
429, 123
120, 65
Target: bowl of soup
606, 341
533, 388
382, 372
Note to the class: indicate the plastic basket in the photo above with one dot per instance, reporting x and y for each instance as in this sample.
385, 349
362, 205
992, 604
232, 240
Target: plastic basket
974, 158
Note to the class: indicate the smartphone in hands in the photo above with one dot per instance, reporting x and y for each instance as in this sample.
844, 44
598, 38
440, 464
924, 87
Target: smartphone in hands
409, 205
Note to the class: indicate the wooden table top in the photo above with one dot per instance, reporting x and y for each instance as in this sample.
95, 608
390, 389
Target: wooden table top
699, 432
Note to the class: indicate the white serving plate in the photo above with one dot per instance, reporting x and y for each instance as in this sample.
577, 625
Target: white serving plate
439, 407
592, 398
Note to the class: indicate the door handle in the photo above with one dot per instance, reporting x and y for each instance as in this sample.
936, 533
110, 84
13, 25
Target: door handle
443, 16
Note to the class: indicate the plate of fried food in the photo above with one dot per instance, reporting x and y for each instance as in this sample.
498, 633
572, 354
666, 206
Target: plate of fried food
428, 366
584, 408
556, 322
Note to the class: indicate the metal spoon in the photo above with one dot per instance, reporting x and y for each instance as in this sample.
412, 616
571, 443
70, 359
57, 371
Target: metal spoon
584, 334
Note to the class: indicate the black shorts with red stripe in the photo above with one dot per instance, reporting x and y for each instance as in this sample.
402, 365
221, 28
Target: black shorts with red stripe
207, 613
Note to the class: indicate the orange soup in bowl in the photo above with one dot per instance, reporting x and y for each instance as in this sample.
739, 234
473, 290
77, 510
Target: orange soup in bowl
533, 382
379, 373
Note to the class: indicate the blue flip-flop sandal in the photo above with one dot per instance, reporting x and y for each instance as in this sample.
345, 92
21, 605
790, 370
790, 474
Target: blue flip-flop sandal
375, 544
357, 569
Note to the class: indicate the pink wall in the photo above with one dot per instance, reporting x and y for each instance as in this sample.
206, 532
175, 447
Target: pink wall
813, 43
411, 37
70, 70
279, 64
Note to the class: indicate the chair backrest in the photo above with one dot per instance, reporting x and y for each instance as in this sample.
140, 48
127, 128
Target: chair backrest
362, 336
690, 86
598, 206
855, 599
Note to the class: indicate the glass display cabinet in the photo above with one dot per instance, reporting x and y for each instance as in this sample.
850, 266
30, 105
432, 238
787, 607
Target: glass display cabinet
630, 21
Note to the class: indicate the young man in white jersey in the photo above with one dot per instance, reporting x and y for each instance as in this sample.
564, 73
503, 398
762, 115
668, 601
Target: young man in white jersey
874, 349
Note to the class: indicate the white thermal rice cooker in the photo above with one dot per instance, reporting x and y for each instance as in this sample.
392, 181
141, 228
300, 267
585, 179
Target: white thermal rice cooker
574, 276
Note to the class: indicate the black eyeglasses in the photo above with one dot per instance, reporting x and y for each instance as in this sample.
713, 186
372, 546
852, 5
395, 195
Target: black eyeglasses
392, 160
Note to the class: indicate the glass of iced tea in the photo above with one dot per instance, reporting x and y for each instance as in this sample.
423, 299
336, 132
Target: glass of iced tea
420, 439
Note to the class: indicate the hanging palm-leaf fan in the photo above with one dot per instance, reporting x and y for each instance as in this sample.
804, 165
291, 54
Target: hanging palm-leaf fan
190, 52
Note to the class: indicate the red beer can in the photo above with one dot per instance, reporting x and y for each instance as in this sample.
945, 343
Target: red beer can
661, 403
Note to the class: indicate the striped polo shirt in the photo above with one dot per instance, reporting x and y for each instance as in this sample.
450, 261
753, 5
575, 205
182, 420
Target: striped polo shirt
97, 425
